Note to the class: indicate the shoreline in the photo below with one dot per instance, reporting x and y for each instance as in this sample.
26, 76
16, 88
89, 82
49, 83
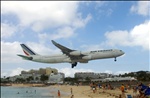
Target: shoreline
23, 84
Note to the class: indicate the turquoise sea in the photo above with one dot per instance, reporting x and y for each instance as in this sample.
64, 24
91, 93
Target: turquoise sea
26, 92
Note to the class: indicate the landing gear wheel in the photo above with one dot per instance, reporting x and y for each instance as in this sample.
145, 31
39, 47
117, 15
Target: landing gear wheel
115, 59
74, 64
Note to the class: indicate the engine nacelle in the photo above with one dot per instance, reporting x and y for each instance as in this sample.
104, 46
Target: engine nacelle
87, 57
76, 53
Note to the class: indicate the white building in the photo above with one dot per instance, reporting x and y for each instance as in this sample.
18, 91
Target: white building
92, 75
56, 78
36, 74
119, 79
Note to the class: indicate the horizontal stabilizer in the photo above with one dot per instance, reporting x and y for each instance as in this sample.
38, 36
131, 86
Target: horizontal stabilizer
25, 57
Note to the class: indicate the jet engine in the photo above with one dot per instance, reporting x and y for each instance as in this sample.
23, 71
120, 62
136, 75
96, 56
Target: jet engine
86, 57
75, 53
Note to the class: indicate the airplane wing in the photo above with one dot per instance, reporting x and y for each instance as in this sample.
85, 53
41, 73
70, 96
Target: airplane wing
67, 51
64, 49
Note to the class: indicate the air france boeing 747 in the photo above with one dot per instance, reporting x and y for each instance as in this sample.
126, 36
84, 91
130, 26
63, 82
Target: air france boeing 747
69, 55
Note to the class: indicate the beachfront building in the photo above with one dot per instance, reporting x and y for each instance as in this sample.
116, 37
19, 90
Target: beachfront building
92, 75
119, 79
56, 78
103, 77
45, 71
33, 75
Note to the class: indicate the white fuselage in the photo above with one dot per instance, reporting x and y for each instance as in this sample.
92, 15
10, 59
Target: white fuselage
86, 56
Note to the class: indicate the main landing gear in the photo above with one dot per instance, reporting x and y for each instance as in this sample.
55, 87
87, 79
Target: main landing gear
115, 59
74, 64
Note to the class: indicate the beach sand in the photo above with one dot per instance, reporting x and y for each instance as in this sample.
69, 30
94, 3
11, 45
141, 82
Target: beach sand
78, 91
86, 92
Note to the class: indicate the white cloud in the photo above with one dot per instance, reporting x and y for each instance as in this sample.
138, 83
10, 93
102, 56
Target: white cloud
4, 74
141, 8
7, 30
117, 37
16, 71
108, 71
63, 16
138, 36
121, 72
69, 72
9, 52
43, 37
91, 47
64, 32
79, 22
12, 72
49, 11
42, 49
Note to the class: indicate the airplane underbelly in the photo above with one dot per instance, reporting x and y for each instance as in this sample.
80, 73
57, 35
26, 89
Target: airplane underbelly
46, 60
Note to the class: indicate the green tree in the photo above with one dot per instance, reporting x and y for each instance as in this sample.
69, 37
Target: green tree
37, 78
44, 78
20, 80
29, 78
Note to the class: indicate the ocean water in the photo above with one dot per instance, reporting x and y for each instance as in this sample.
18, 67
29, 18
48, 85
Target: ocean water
26, 92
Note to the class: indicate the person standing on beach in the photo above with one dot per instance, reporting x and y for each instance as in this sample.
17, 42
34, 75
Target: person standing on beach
94, 87
122, 89
134, 92
71, 90
58, 94
91, 86
99, 85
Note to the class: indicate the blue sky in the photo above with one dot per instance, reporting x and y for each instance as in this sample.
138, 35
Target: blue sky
78, 25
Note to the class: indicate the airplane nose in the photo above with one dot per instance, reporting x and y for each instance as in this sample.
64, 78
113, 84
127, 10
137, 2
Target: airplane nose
123, 52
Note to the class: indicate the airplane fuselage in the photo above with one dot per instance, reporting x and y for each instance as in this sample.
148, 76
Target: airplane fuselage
89, 55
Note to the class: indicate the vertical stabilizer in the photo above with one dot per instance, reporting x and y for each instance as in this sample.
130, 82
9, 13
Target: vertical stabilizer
27, 50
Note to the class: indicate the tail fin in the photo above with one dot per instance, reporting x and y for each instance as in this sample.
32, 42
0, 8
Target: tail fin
27, 50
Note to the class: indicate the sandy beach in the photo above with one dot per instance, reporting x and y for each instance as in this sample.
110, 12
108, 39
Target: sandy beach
78, 91
86, 92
